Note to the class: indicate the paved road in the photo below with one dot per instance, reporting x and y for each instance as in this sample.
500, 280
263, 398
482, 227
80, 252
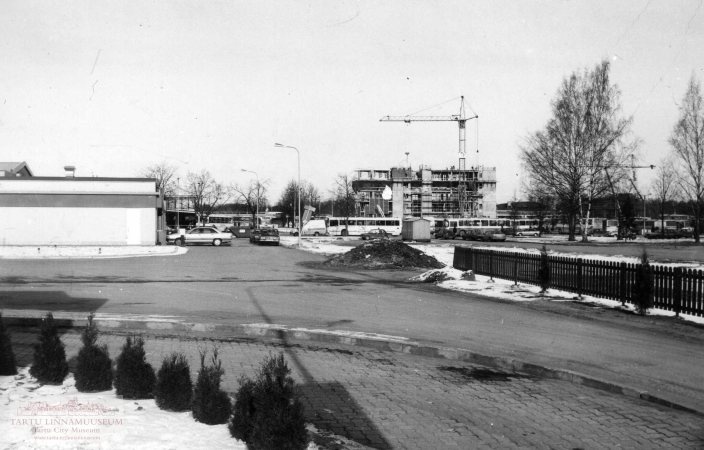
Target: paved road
251, 284
389, 400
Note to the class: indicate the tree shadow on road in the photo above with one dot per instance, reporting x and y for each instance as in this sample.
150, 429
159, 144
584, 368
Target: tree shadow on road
329, 406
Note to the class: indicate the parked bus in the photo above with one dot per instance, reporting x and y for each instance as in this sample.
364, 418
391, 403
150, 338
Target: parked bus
223, 221
474, 229
357, 225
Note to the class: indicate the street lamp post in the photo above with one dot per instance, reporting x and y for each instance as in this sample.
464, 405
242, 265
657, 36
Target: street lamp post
258, 187
298, 189
177, 205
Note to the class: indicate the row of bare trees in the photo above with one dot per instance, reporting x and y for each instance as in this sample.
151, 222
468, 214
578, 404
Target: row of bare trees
586, 151
209, 195
205, 192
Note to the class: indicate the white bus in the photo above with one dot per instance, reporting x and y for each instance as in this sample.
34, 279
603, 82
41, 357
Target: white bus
358, 225
474, 229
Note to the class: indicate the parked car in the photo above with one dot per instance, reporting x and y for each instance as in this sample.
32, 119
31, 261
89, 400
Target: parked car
200, 235
268, 236
377, 233
527, 233
603, 233
497, 236
254, 236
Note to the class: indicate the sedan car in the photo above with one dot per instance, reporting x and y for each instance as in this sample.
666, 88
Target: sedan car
527, 233
268, 236
201, 235
375, 234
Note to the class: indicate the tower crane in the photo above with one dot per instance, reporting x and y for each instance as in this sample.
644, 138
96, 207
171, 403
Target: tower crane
460, 118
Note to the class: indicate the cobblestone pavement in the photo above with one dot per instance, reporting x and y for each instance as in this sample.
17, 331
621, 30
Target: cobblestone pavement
389, 400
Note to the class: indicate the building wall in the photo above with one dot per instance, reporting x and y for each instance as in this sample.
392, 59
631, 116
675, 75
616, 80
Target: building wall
77, 226
79, 211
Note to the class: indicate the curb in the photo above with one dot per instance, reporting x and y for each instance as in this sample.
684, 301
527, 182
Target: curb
366, 340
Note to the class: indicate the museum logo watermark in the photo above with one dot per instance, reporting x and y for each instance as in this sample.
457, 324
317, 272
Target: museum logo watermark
69, 420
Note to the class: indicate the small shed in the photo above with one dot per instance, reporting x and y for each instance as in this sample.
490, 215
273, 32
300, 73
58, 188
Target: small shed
416, 229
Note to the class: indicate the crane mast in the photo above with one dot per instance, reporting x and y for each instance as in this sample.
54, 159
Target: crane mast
460, 118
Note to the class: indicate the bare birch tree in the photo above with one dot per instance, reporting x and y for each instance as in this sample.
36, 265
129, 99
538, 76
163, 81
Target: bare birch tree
664, 187
345, 197
206, 192
687, 141
580, 153
254, 197
164, 174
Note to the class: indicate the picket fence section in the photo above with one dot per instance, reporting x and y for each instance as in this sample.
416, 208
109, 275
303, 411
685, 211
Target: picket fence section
675, 289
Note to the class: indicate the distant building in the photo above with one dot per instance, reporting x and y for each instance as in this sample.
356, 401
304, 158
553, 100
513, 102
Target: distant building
14, 169
78, 211
404, 192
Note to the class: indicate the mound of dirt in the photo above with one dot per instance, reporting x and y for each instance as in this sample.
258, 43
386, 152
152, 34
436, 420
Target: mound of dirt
384, 254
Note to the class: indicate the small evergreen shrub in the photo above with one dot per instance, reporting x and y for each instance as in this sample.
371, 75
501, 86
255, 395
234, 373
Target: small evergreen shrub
50, 365
268, 414
174, 389
7, 355
544, 270
134, 376
211, 405
93, 365
643, 286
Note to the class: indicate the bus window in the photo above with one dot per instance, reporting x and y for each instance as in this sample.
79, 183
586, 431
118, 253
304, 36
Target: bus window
485, 223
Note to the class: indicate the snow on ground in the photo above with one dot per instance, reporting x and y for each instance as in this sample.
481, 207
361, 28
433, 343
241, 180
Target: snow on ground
321, 246
69, 251
58, 416
36, 416
507, 290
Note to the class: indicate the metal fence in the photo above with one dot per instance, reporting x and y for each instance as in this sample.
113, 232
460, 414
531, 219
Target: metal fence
675, 289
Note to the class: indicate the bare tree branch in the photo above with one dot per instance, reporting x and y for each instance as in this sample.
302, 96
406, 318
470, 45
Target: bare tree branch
582, 146
687, 141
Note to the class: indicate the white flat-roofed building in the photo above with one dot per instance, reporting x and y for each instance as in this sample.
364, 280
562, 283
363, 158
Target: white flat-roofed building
80, 211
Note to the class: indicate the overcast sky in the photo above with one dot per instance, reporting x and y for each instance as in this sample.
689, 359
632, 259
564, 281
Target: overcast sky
112, 87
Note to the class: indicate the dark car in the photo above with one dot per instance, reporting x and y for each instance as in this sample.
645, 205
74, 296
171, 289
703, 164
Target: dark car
254, 236
269, 236
375, 234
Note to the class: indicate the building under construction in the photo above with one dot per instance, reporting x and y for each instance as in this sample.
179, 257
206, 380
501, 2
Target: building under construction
404, 192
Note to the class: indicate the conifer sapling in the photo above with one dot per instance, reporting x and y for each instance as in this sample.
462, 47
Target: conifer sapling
7, 355
50, 365
174, 389
211, 405
93, 365
134, 376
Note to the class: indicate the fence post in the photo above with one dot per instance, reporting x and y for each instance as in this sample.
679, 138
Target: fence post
622, 283
677, 291
579, 277
515, 268
491, 265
